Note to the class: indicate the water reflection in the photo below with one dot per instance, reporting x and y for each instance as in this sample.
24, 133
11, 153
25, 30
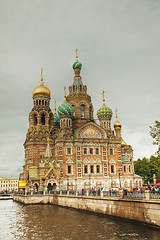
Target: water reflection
18, 221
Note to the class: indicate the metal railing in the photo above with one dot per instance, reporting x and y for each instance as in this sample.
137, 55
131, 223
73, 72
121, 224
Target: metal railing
96, 193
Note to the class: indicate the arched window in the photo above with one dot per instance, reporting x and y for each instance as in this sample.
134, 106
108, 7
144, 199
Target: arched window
80, 88
82, 111
124, 168
35, 119
90, 112
73, 88
64, 123
129, 168
42, 102
43, 119
37, 102
104, 124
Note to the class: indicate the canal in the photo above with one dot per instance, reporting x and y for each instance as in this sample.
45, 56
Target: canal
42, 222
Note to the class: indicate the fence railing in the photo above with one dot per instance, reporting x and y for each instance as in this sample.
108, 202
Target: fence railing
119, 194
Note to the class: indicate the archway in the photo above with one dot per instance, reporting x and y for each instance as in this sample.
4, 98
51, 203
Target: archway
36, 188
51, 187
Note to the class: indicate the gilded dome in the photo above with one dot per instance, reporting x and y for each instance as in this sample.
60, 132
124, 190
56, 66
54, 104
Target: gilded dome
117, 124
123, 144
41, 90
65, 109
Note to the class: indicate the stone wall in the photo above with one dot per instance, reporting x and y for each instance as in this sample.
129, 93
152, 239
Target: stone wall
138, 210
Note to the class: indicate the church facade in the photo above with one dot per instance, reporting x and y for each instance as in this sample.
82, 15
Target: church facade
68, 150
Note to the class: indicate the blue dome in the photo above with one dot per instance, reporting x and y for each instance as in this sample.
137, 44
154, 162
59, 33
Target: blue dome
65, 109
77, 64
56, 118
104, 112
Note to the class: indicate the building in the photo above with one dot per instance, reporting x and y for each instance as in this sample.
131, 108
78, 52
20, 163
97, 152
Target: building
67, 149
8, 185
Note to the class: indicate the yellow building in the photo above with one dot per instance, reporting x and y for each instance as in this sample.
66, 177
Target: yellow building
8, 184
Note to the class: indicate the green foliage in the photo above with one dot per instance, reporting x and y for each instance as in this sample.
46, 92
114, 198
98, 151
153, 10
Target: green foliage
147, 167
155, 133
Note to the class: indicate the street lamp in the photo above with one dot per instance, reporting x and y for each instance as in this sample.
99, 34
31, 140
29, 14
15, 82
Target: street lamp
67, 182
119, 179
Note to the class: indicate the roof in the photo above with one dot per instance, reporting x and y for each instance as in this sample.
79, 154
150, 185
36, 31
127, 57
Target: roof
33, 173
52, 168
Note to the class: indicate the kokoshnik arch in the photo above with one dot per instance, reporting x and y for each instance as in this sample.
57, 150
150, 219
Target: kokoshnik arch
67, 149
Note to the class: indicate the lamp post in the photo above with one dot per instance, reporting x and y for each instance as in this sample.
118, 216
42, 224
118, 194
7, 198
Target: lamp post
67, 182
119, 179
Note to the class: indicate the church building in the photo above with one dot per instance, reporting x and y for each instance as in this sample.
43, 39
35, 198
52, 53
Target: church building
69, 150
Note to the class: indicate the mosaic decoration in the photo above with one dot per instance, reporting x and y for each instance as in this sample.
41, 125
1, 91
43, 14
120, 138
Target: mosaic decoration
56, 118
33, 173
77, 64
90, 133
65, 109
104, 112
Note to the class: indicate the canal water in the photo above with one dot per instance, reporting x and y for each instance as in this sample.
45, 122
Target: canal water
42, 222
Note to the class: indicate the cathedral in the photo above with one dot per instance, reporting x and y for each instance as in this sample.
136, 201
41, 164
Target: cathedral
69, 150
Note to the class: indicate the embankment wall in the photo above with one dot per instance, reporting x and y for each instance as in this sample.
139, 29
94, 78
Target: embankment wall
138, 210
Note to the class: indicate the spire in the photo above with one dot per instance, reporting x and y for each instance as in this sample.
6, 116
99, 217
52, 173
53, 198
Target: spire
41, 75
65, 92
103, 97
48, 150
116, 115
55, 106
76, 54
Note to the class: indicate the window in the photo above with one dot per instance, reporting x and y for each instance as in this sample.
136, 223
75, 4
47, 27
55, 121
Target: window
43, 119
82, 111
68, 150
98, 169
85, 150
92, 169
124, 168
111, 151
69, 169
97, 152
35, 119
112, 168
104, 124
91, 150
129, 168
85, 169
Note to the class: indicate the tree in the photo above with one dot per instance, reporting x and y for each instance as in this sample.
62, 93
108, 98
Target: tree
155, 133
147, 167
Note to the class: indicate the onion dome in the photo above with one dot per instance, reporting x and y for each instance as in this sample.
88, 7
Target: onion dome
123, 144
65, 109
117, 124
41, 89
77, 64
104, 111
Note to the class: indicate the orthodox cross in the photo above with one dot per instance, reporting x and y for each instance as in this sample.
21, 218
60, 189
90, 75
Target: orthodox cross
103, 96
76, 54
41, 74
116, 113
65, 92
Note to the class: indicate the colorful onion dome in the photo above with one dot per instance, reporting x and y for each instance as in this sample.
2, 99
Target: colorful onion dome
77, 65
104, 112
56, 118
65, 109
41, 89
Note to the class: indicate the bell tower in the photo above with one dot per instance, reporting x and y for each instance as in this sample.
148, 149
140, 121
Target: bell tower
78, 97
41, 125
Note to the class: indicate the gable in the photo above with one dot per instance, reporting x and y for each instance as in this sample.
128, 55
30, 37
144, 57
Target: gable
91, 130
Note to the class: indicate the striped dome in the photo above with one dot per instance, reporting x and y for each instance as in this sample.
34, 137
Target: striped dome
56, 118
77, 64
65, 109
104, 112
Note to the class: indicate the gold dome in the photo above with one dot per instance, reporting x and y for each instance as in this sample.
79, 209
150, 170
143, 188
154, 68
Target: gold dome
123, 144
117, 124
41, 89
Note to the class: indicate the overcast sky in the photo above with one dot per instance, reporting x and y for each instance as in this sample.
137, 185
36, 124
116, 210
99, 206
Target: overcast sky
119, 47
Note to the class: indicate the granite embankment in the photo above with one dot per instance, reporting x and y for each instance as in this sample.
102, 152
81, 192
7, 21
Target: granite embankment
132, 209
